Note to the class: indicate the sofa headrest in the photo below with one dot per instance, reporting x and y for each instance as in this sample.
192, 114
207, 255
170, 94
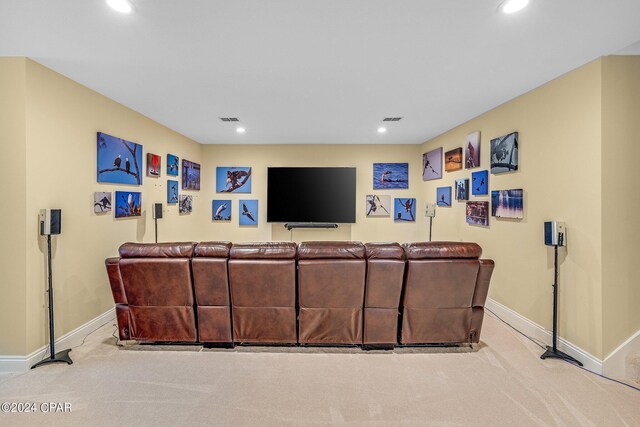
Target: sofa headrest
424, 250
325, 250
263, 250
384, 251
157, 250
213, 249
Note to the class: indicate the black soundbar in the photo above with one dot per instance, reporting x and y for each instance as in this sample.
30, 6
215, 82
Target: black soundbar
292, 225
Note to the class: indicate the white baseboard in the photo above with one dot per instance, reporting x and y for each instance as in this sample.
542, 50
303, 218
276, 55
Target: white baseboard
536, 331
615, 364
71, 339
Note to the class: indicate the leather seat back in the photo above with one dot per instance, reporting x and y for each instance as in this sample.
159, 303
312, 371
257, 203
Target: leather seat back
262, 278
441, 283
331, 279
156, 280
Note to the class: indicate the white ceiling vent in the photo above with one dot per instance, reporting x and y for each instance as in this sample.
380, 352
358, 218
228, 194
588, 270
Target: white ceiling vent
229, 119
392, 119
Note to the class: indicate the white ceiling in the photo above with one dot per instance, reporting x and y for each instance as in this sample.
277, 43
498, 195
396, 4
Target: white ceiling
310, 71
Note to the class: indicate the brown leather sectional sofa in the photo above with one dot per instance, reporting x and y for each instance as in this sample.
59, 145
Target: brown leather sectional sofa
317, 293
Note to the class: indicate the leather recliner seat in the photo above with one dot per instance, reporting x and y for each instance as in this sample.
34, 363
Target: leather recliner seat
445, 290
331, 280
385, 274
262, 278
152, 289
211, 287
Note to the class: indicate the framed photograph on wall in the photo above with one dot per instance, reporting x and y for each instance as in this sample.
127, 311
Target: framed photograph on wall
153, 165
378, 206
173, 165
472, 151
478, 213
390, 175
504, 153
172, 192
221, 210
102, 202
507, 203
128, 204
404, 209
453, 160
119, 160
233, 179
443, 196
432, 164
185, 203
462, 189
190, 175
248, 212
480, 183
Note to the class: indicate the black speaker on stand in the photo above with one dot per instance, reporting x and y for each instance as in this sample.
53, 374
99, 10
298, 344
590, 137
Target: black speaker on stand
157, 214
51, 224
555, 235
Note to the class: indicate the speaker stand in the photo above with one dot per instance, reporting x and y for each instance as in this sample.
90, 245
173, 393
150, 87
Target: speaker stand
553, 352
156, 228
63, 356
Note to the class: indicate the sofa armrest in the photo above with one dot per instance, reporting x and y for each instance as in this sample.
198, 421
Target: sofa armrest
115, 280
482, 282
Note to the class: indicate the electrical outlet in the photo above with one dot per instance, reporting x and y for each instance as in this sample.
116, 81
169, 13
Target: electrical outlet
430, 211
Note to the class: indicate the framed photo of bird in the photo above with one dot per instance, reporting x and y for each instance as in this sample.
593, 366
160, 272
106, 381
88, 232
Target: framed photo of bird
504, 153
190, 175
119, 160
390, 175
235, 179
128, 204
185, 204
472, 151
378, 206
443, 196
221, 210
172, 192
453, 160
480, 183
248, 212
153, 165
102, 202
432, 164
404, 209
173, 165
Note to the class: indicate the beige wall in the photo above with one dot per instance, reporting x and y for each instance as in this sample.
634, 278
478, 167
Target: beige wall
620, 198
259, 157
559, 127
12, 214
62, 118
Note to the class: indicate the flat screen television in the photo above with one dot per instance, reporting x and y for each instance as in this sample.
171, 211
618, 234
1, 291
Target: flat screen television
314, 194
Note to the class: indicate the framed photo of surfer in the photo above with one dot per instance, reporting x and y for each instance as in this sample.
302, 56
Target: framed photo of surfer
432, 164
390, 175
233, 179
378, 206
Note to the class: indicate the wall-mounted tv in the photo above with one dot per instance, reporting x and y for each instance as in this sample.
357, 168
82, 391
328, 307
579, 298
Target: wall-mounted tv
314, 194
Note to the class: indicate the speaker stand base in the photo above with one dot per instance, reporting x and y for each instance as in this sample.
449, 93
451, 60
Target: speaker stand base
61, 357
557, 354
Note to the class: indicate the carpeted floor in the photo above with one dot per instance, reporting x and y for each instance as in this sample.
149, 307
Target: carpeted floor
501, 382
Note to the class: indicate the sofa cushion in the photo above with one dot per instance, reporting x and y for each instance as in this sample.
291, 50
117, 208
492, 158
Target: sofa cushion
424, 250
263, 250
331, 250
384, 251
157, 250
212, 249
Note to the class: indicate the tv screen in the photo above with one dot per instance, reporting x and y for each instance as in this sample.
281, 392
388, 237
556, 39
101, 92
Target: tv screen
311, 195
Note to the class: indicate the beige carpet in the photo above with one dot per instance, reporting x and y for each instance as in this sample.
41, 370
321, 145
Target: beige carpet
502, 382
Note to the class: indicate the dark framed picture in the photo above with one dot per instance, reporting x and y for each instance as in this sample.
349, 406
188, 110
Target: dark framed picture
128, 204
504, 153
190, 175
462, 189
478, 213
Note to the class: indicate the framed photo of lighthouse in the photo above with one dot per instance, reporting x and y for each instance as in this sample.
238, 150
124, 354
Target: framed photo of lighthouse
119, 160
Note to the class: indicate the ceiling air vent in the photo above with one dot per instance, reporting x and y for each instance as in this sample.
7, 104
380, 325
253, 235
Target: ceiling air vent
392, 119
229, 119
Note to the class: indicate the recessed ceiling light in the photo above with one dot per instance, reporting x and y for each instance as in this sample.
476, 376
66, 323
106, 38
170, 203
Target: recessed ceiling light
241, 130
382, 130
122, 6
513, 6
